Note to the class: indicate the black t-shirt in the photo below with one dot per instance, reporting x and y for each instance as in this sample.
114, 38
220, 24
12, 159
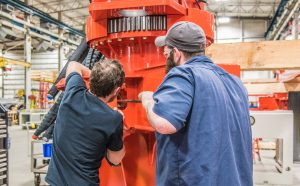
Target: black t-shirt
84, 129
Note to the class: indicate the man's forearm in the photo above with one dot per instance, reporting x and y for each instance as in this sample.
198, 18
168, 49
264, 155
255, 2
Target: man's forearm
160, 124
148, 109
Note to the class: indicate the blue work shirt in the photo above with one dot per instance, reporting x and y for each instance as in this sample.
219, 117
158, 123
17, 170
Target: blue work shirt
213, 142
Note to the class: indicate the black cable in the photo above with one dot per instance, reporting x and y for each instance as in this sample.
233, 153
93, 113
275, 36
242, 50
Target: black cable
49, 119
79, 55
198, 3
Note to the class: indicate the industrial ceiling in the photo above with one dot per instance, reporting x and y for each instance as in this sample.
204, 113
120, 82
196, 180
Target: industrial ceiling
74, 12
243, 8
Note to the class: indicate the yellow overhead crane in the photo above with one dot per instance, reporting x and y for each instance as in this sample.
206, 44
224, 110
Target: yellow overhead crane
5, 61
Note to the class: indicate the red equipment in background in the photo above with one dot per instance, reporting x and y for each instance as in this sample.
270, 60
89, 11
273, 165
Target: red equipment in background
126, 30
42, 98
276, 101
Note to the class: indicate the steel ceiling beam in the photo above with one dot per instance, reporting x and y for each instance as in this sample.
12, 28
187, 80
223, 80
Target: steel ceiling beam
42, 15
283, 15
46, 8
243, 8
66, 9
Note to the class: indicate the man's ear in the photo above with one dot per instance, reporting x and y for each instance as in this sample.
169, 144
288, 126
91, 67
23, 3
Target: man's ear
116, 91
177, 54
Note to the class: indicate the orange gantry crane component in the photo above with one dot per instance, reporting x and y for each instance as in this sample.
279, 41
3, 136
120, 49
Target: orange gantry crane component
126, 30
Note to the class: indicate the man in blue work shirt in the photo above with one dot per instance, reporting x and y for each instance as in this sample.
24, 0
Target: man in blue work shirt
87, 129
200, 114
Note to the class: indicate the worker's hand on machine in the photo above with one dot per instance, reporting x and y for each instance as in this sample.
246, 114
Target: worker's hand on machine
146, 97
127, 131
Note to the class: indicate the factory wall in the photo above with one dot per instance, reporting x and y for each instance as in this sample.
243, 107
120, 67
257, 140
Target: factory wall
240, 30
243, 30
15, 79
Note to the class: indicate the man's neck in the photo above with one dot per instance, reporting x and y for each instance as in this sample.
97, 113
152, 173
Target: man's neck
184, 60
105, 100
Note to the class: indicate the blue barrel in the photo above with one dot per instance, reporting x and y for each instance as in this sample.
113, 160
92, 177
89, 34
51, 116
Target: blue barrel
47, 150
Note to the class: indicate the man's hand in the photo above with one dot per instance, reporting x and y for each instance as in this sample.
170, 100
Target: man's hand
127, 131
74, 66
146, 97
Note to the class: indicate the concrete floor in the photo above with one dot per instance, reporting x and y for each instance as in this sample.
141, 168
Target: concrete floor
19, 160
268, 164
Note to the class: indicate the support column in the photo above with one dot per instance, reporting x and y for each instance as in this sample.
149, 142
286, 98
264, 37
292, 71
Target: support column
2, 72
61, 57
84, 27
60, 47
27, 52
296, 25
242, 30
216, 30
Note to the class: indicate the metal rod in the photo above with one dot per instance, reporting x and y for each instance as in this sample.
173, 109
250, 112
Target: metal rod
129, 101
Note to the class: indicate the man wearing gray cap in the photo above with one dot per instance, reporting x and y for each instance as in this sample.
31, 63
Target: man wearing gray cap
200, 114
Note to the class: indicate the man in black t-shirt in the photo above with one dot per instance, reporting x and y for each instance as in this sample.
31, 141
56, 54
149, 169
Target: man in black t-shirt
87, 129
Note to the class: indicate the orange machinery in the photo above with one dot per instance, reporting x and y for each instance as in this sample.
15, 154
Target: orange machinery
126, 30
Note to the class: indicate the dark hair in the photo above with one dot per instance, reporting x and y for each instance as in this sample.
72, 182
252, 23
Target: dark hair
106, 76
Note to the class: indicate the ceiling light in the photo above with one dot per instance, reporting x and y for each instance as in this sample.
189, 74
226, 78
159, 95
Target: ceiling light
220, 0
223, 19
133, 13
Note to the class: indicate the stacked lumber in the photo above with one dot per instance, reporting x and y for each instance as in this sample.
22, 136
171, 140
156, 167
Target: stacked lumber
44, 75
263, 55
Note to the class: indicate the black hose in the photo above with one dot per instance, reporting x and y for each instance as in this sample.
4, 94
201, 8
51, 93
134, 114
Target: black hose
79, 55
198, 3
48, 133
48, 122
50, 117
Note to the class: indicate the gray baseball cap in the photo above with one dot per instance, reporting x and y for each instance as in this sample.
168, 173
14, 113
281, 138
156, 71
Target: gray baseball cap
184, 35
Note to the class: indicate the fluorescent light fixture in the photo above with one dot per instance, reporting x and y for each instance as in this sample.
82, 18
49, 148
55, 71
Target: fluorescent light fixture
220, 0
133, 13
223, 19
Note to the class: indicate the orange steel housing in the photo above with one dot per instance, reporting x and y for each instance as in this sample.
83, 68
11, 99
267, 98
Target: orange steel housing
144, 65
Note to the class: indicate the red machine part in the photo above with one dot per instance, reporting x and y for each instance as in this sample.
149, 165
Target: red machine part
276, 101
131, 40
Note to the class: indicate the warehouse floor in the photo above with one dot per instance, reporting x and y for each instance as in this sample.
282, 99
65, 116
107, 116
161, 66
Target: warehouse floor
19, 160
